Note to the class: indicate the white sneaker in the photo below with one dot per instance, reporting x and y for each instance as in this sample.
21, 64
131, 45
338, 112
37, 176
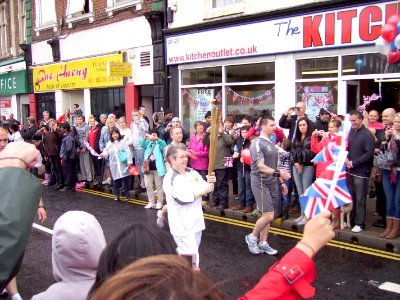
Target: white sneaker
160, 218
107, 181
158, 205
357, 229
150, 205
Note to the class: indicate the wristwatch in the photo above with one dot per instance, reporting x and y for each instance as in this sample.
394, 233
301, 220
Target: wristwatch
276, 173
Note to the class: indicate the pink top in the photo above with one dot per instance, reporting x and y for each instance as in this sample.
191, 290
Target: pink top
376, 125
201, 150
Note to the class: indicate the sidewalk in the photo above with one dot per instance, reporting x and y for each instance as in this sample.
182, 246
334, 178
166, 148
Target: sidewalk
368, 237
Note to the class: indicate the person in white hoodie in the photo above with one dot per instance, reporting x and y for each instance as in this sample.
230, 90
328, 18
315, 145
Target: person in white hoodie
77, 243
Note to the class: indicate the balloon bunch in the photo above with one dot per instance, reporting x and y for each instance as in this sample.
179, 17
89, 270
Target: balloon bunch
389, 41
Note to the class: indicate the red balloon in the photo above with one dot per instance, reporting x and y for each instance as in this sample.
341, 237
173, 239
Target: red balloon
133, 170
393, 20
246, 156
393, 57
388, 32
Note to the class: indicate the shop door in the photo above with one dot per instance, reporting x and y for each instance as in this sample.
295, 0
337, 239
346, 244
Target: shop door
46, 102
353, 95
25, 113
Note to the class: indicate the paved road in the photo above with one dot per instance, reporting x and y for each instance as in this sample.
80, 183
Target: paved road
224, 256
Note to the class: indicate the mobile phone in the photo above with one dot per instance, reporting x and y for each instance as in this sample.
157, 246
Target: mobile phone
191, 259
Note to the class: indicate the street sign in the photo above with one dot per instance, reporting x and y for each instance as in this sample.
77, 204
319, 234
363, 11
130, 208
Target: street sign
119, 69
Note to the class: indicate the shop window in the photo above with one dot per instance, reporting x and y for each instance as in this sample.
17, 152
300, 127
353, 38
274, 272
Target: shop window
371, 63
202, 76
116, 5
46, 17
21, 21
45, 102
317, 95
196, 102
105, 101
250, 100
222, 3
78, 10
324, 67
251, 72
3, 30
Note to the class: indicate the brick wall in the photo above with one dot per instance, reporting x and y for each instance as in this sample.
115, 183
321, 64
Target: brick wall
100, 18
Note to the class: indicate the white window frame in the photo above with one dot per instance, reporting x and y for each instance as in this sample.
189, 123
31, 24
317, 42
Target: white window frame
78, 14
116, 5
49, 7
3, 29
211, 12
237, 2
21, 22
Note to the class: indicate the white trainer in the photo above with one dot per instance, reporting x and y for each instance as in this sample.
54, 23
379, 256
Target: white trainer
357, 229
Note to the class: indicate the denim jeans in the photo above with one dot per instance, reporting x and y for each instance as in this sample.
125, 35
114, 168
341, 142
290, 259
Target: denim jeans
392, 192
358, 188
303, 180
284, 200
117, 185
246, 197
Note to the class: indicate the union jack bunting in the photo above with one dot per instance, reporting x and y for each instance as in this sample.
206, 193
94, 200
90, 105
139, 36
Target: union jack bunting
316, 198
91, 150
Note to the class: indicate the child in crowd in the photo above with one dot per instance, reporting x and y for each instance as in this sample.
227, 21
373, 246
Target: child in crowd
284, 163
246, 198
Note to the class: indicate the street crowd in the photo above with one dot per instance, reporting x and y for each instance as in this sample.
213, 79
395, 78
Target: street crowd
269, 163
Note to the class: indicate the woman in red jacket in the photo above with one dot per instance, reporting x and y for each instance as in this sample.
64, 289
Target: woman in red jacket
288, 279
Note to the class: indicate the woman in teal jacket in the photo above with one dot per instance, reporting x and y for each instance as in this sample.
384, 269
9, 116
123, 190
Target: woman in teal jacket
154, 178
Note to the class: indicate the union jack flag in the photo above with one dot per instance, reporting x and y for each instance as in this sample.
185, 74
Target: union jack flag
329, 190
321, 101
368, 99
228, 161
331, 151
316, 198
91, 150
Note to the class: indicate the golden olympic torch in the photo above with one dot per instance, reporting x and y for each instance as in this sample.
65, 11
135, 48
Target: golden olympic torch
215, 123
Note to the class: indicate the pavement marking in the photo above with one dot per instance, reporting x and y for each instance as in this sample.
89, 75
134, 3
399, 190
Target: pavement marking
390, 286
42, 228
279, 231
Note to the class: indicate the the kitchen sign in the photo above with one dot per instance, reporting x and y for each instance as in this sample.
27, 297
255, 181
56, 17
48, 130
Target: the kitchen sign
352, 26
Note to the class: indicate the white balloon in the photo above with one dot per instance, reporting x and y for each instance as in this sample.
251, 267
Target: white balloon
383, 47
396, 41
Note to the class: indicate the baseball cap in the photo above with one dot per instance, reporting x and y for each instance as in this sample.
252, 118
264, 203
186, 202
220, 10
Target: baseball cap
323, 111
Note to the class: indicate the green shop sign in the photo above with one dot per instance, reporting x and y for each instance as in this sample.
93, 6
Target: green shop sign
13, 83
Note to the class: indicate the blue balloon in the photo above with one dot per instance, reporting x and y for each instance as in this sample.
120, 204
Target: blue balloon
398, 26
393, 46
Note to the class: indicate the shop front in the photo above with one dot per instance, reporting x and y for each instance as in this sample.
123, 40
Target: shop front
325, 58
84, 82
13, 90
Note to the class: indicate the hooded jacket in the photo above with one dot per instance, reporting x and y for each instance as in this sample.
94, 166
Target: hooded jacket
77, 243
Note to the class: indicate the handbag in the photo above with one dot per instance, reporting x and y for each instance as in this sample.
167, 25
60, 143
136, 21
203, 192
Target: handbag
146, 162
386, 158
